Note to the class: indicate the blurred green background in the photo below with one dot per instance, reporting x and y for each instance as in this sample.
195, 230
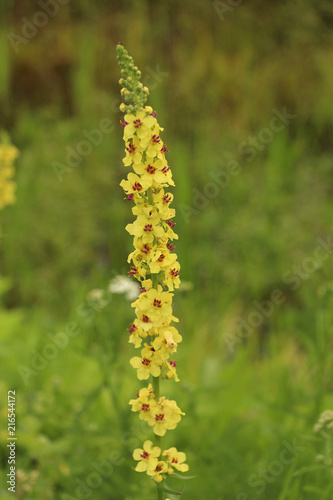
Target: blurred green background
254, 205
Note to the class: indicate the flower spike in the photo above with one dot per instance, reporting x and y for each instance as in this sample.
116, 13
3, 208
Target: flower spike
154, 264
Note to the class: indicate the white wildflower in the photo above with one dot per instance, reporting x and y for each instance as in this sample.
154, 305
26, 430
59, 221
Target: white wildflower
123, 284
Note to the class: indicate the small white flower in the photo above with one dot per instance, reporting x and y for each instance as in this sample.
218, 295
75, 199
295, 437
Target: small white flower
97, 296
123, 284
325, 421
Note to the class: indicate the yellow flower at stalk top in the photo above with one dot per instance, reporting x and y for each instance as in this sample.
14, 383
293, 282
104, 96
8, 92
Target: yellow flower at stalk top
140, 124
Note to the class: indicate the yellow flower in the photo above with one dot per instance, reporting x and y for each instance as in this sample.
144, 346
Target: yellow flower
172, 370
138, 124
153, 309
171, 279
162, 202
156, 172
158, 471
146, 365
155, 304
134, 184
166, 342
176, 460
164, 416
161, 259
8, 154
144, 403
137, 334
133, 152
147, 457
146, 228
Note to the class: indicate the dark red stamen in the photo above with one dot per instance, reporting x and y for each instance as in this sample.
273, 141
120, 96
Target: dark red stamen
145, 249
159, 417
166, 199
150, 169
170, 246
171, 224
164, 149
155, 138
173, 363
131, 148
132, 328
146, 361
157, 303
137, 123
124, 123
174, 273
137, 186
148, 228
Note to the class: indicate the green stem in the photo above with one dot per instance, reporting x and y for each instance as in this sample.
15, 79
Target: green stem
156, 389
150, 196
154, 278
156, 380
159, 494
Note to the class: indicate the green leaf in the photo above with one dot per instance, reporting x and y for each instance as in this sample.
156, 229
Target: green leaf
308, 468
179, 476
313, 489
172, 492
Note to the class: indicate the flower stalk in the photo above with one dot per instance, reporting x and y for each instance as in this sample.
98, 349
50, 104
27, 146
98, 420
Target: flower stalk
154, 264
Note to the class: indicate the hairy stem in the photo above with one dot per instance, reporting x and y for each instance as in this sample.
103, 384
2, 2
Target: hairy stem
156, 389
150, 196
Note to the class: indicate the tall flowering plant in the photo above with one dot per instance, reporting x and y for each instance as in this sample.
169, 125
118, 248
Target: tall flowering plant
154, 264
